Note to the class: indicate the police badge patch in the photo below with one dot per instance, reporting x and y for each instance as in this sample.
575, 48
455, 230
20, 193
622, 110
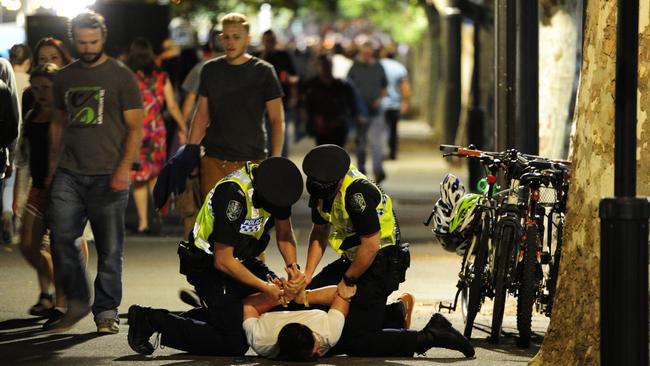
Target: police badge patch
234, 210
358, 203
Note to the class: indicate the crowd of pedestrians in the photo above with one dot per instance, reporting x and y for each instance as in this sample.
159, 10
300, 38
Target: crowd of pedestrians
80, 135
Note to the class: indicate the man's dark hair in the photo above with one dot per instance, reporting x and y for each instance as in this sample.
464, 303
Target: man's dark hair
296, 343
87, 19
19, 53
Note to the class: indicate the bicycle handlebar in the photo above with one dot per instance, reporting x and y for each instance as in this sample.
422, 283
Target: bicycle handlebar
530, 160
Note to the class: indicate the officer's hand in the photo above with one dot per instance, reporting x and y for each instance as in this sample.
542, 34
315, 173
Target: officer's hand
297, 280
345, 291
274, 291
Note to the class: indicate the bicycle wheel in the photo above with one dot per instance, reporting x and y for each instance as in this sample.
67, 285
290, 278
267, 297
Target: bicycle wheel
504, 263
475, 293
526, 296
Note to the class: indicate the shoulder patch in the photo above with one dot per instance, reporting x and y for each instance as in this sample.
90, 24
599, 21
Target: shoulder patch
234, 210
358, 203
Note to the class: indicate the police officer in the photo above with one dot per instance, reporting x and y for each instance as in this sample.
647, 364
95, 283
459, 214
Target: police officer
220, 261
366, 234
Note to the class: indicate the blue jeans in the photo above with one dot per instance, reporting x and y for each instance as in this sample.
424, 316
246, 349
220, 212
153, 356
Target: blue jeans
373, 133
74, 199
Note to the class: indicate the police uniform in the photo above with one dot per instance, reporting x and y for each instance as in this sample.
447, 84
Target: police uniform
358, 207
239, 211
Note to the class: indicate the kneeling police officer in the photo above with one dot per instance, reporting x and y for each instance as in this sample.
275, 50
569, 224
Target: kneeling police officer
220, 261
366, 234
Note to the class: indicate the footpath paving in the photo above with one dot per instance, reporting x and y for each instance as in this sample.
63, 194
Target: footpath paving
151, 279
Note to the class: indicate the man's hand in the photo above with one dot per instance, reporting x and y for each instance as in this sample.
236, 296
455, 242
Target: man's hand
16, 208
346, 292
120, 179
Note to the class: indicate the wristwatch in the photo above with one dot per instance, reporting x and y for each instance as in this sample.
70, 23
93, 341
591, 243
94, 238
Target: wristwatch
349, 281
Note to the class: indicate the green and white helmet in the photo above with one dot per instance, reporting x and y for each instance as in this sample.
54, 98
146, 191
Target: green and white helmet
451, 225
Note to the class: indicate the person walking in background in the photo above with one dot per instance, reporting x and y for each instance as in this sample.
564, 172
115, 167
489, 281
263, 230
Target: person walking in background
234, 92
33, 157
9, 126
330, 104
370, 79
286, 71
397, 102
20, 57
96, 132
47, 50
157, 93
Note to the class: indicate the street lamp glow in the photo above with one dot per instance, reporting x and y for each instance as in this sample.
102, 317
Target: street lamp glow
71, 8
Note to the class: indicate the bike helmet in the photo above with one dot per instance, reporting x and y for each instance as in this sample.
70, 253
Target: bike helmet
451, 226
451, 190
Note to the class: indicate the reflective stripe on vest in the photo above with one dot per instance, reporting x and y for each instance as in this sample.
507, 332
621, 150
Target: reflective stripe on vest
342, 225
252, 225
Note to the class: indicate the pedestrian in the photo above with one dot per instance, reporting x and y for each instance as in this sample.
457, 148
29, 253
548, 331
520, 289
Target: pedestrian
285, 69
47, 50
370, 79
96, 132
397, 101
157, 93
366, 234
234, 92
20, 57
9, 126
330, 104
33, 158
220, 261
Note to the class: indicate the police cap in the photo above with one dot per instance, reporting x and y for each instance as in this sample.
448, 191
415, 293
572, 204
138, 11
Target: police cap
278, 181
326, 163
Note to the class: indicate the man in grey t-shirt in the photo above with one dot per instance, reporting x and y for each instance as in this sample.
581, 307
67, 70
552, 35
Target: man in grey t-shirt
96, 131
234, 92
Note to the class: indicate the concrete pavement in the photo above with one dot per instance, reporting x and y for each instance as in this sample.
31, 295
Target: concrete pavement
151, 279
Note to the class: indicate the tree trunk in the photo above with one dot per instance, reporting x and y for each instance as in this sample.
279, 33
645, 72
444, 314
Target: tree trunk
558, 51
432, 102
573, 336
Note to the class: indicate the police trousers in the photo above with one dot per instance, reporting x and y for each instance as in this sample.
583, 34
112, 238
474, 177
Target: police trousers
365, 333
217, 331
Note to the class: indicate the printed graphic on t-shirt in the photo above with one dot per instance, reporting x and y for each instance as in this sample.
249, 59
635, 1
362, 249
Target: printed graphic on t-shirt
85, 106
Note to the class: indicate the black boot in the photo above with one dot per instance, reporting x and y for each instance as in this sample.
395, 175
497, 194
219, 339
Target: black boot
140, 330
440, 333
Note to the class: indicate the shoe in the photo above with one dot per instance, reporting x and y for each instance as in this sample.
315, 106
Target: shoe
140, 330
54, 315
440, 333
77, 310
43, 306
380, 177
191, 298
407, 300
7, 227
108, 326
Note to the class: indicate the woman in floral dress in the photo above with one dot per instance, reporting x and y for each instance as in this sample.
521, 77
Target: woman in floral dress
157, 93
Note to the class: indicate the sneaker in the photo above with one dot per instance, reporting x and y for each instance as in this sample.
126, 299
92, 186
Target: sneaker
140, 330
407, 300
440, 333
108, 326
54, 315
43, 306
77, 310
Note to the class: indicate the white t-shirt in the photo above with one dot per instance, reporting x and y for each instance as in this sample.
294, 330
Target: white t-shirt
262, 333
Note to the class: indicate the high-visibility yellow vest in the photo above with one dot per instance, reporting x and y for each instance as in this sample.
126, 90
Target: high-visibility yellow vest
252, 225
342, 225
